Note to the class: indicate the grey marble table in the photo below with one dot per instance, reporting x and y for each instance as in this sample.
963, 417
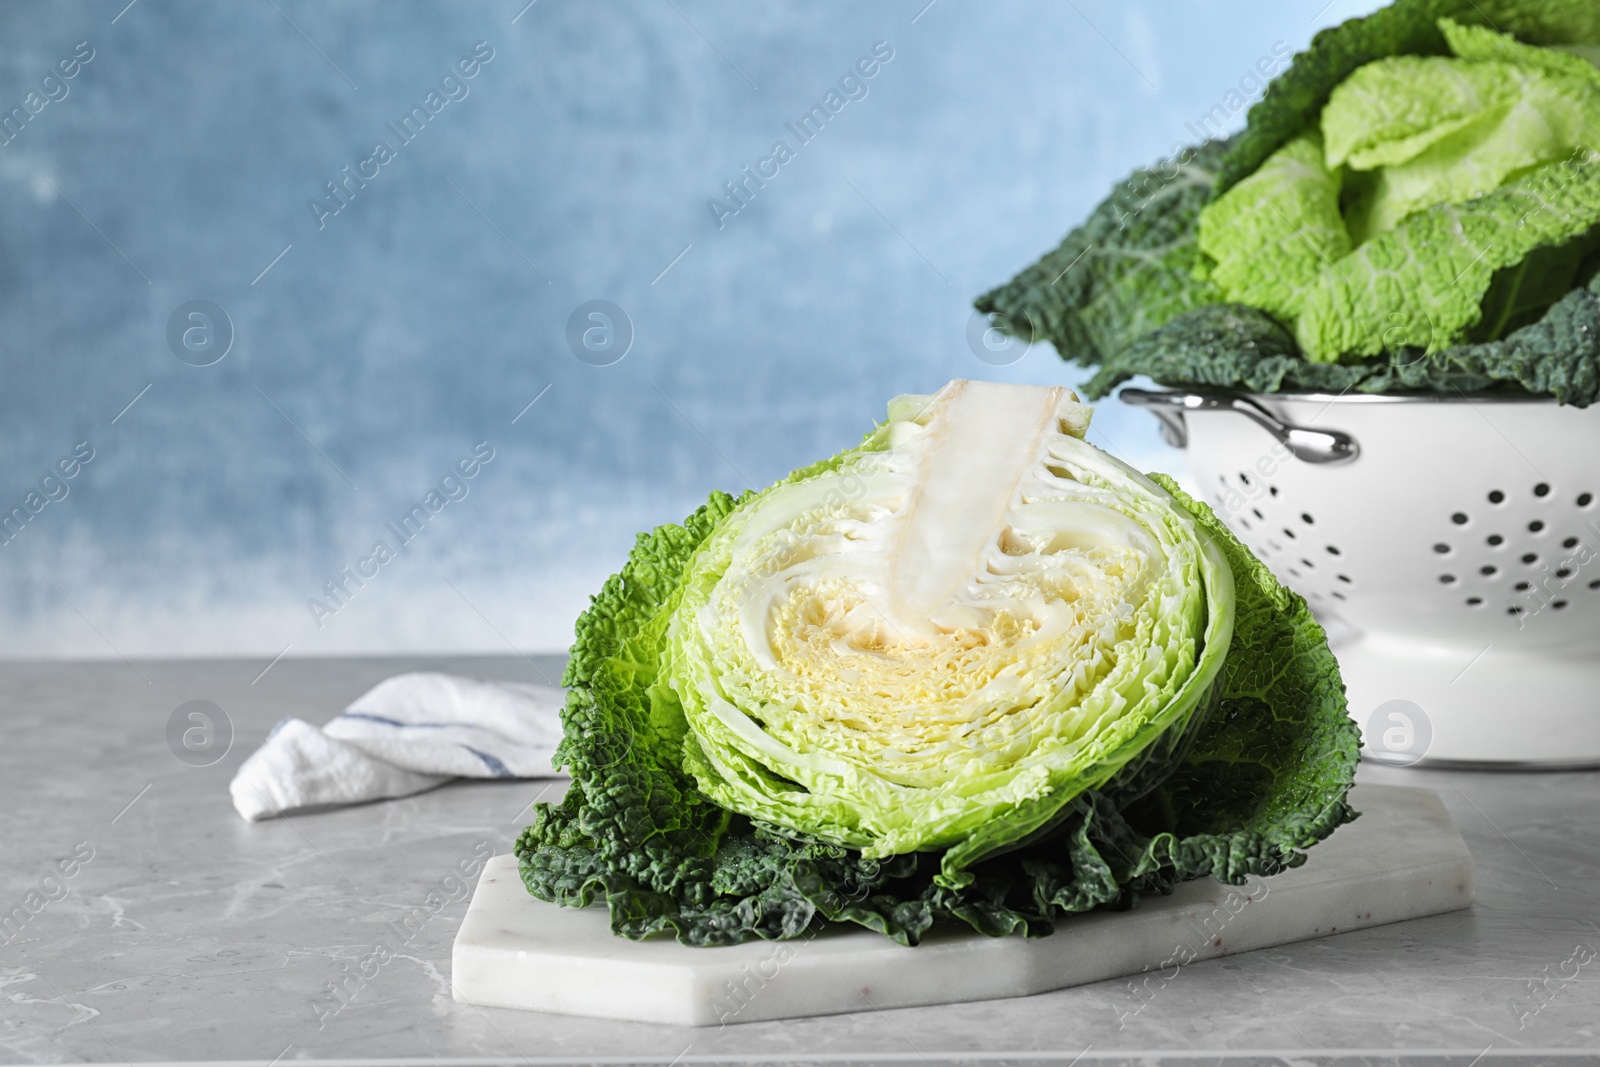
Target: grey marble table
147, 922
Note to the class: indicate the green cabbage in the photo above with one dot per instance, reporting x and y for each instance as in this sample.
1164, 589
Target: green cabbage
973, 669
1418, 184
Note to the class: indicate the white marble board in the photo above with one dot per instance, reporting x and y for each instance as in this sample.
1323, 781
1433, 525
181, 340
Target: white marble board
1401, 860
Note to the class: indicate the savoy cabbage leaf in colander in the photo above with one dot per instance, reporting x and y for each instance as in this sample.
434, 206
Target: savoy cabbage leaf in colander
1414, 205
972, 670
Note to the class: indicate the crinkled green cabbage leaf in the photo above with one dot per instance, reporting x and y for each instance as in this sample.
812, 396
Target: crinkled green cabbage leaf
1226, 750
1431, 143
1423, 284
1274, 233
1443, 130
1294, 99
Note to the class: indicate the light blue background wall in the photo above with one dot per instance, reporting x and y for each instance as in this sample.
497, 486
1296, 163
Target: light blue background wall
424, 316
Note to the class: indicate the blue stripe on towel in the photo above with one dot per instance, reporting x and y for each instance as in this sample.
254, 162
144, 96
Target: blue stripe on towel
396, 722
498, 769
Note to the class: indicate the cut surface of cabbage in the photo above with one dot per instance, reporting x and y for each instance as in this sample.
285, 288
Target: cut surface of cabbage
938, 640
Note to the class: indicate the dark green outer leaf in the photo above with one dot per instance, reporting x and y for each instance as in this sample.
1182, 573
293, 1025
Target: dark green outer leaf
1231, 346
1127, 270
1270, 772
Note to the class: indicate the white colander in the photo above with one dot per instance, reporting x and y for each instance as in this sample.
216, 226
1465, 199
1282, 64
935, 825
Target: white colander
1455, 538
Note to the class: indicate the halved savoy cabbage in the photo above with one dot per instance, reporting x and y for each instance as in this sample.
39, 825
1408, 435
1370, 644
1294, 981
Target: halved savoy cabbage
974, 669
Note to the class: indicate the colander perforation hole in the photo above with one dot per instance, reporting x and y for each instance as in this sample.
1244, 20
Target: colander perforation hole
1272, 489
1306, 518
1257, 513
1558, 604
1333, 550
1515, 609
1535, 526
1442, 548
1563, 572
1542, 489
1474, 601
1495, 540
1244, 478
1459, 518
1530, 557
1337, 595
1345, 578
1595, 584
1447, 579
1496, 497
1308, 564
1585, 499
1571, 542
1523, 587
1488, 570
1288, 533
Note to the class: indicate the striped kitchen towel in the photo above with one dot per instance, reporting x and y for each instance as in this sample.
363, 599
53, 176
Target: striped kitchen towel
406, 734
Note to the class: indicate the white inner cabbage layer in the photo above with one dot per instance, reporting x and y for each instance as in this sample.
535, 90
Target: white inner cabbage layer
987, 600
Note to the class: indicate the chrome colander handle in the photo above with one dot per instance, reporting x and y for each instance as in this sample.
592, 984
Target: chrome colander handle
1311, 446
